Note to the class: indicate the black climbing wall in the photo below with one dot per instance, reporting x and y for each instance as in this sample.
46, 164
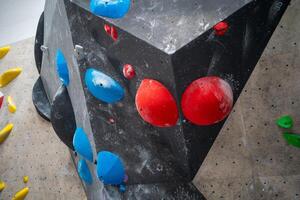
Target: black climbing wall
156, 157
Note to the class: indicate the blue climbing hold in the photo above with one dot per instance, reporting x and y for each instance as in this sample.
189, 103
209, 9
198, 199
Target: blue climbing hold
110, 169
122, 188
62, 67
110, 8
84, 172
82, 144
103, 87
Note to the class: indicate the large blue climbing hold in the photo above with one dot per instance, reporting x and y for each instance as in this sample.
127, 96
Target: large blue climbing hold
84, 172
103, 87
62, 67
110, 8
110, 169
82, 144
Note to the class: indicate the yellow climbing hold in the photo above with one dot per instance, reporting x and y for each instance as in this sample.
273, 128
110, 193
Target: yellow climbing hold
25, 179
5, 132
9, 75
4, 51
2, 185
11, 105
21, 194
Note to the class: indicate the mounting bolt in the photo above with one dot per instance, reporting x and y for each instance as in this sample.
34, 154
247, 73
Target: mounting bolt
79, 51
44, 49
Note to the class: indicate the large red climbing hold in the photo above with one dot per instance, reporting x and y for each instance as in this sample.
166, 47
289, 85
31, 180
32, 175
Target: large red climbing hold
207, 100
155, 104
221, 28
128, 71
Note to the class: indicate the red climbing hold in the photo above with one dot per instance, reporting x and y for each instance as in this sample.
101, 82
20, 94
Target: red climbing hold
155, 104
111, 120
111, 31
128, 71
221, 28
107, 29
1, 99
114, 33
207, 100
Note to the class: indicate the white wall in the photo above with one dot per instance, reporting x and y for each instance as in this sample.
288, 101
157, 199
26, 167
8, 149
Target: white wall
18, 19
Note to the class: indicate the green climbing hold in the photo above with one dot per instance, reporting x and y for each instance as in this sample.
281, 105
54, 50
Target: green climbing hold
292, 139
285, 122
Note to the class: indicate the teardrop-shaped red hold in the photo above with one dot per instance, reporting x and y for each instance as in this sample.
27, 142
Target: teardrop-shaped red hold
111, 31
107, 29
207, 100
221, 28
155, 104
128, 71
114, 33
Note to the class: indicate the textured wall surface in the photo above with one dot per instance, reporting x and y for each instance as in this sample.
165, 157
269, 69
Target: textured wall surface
33, 149
250, 159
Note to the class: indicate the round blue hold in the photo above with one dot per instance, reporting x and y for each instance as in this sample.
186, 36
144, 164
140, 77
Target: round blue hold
110, 8
84, 172
62, 67
82, 144
103, 87
110, 169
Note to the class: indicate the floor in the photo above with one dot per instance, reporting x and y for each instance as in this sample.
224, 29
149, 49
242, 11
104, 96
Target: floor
18, 19
33, 149
249, 160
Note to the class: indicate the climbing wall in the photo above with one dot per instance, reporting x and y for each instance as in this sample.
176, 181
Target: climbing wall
250, 159
140, 100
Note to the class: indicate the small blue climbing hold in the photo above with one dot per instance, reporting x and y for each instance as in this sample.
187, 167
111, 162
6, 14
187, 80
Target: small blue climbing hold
110, 169
62, 67
84, 172
82, 144
110, 8
103, 87
122, 188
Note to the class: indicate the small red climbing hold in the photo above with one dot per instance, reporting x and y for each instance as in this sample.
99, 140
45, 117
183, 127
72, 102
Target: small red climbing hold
114, 33
128, 71
155, 104
111, 31
207, 100
107, 29
221, 28
1, 99
111, 120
